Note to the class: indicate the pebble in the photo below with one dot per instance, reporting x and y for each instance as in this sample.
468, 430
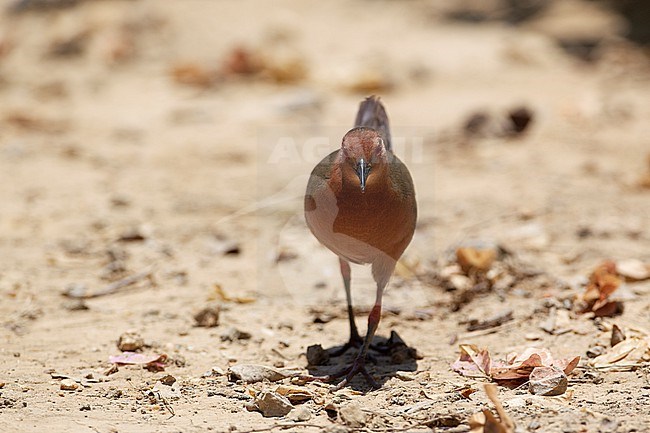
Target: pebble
300, 414
130, 341
547, 381
352, 415
272, 404
69, 385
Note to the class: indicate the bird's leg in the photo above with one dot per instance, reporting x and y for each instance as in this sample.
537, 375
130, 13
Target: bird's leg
355, 339
359, 364
381, 272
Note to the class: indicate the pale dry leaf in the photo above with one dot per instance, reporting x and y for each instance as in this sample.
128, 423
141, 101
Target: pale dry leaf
633, 350
633, 269
472, 362
252, 373
477, 422
295, 394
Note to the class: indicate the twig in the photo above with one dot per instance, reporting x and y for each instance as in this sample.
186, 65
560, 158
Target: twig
622, 367
491, 391
112, 288
494, 330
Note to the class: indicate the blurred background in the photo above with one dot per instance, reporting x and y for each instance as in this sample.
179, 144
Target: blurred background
175, 138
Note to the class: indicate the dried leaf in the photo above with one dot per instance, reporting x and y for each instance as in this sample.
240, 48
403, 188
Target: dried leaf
251, 373
295, 394
473, 259
472, 362
633, 350
603, 281
151, 362
518, 367
193, 74
223, 296
467, 392
477, 422
486, 422
617, 336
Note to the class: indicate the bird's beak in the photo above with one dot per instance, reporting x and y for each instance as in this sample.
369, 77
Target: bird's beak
363, 169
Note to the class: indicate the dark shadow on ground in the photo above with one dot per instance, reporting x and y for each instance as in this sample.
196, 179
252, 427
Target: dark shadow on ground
387, 356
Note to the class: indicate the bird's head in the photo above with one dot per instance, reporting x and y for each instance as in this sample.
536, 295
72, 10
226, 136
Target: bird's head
363, 153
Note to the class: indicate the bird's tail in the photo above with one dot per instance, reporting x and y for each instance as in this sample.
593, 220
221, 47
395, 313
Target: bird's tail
372, 114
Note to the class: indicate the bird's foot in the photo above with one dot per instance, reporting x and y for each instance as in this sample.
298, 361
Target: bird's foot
358, 366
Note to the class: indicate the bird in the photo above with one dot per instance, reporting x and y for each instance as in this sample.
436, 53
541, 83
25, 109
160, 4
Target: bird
360, 203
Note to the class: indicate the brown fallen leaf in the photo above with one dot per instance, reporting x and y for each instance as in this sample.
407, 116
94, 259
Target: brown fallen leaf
193, 74
518, 367
472, 362
512, 372
467, 392
603, 281
241, 61
295, 394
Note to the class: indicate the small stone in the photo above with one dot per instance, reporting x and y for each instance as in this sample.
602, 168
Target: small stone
69, 385
300, 414
208, 317
352, 415
217, 371
168, 380
595, 351
316, 355
234, 334
460, 282
520, 119
617, 335
405, 375
76, 305
130, 341
272, 404
548, 381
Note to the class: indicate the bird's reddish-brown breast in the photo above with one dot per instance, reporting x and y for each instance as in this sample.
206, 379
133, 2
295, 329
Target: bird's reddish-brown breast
361, 226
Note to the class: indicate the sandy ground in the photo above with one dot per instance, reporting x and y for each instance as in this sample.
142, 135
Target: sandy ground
134, 142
